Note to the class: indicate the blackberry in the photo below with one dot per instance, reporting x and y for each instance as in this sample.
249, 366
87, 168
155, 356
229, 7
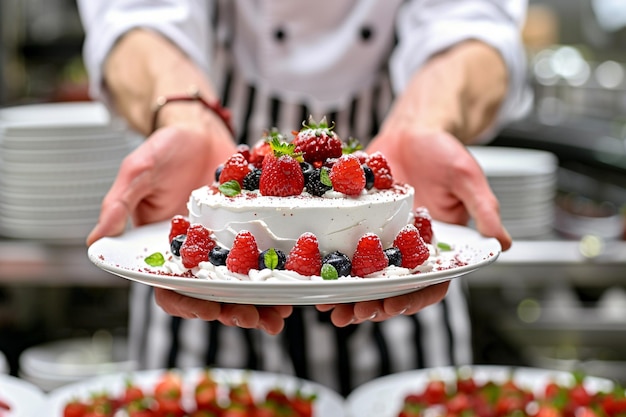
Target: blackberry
339, 261
251, 180
218, 255
369, 177
176, 243
307, 170
394, 255
314, 185
218, 172
272, 259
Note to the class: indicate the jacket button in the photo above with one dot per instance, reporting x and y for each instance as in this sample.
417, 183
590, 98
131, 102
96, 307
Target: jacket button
280, 35
366, 33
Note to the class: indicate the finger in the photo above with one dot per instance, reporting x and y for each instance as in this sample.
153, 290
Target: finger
240, 315
271, 320
367, 310
343, 315
415, 301
325, 307
179, 305
111, 222
482, 204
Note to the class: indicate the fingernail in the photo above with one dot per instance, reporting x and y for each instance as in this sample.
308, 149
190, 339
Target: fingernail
373, 316
404, 310
235, 321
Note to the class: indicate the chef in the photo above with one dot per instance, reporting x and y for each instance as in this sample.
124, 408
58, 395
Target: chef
418, 80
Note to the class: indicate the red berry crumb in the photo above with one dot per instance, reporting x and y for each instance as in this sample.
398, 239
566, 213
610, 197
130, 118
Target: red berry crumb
197, 245
244, 254
178, 226
423, 222
369, 256
347, 175
235, 168
382, 173
412, 247
305, 257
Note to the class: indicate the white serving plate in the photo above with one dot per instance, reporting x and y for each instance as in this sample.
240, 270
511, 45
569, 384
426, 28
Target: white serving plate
124, 256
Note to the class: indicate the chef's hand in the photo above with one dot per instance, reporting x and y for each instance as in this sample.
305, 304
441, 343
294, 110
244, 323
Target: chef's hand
450, 183
457, 91
153, 184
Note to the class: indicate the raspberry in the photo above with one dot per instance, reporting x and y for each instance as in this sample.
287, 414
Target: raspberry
244, 255
244, 149
369, 256
305, 258
281, 176
235, 168
197, 245
347, 175
423, 222
412, 247
382, 173
178, 226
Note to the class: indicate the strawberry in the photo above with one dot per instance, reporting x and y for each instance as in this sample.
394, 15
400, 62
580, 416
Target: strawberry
369, 256
244, 255
412, 247
317, 141
305, 257
197, 245
423, 222
382, 173
258, 152
347, 175
281, 174
178, 226
235, 168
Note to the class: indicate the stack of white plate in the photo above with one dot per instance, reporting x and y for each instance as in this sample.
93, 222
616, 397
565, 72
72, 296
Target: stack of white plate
54, 364
57, 161
524, 181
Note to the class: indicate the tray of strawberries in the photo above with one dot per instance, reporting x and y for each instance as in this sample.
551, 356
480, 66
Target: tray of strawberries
487, 391
196, 392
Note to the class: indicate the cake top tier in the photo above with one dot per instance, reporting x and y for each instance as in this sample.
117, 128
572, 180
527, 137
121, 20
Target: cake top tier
314, 162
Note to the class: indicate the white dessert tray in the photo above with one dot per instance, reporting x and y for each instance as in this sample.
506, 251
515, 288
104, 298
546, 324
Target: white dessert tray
125, 256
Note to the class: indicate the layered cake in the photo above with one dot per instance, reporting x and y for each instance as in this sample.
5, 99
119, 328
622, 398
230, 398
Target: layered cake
309, 207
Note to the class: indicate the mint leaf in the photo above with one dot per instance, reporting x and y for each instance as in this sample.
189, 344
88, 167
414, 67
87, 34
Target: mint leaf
444, 246
271, 258
230, 188
329, 272
156, 259
324, 177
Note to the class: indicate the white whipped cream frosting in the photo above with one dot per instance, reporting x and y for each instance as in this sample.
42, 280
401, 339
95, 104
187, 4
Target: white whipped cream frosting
337, 220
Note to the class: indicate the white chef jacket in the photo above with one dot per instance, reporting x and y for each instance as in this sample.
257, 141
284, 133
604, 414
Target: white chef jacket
275, 62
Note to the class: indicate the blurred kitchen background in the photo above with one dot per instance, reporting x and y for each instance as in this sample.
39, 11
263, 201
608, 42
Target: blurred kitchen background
556, 300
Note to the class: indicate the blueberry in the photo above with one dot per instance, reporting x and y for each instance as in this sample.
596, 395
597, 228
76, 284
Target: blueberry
307, 170
272, 259
251, 180
394, 256
176, 243
218, 172
340, 261
218, 255
369, 177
